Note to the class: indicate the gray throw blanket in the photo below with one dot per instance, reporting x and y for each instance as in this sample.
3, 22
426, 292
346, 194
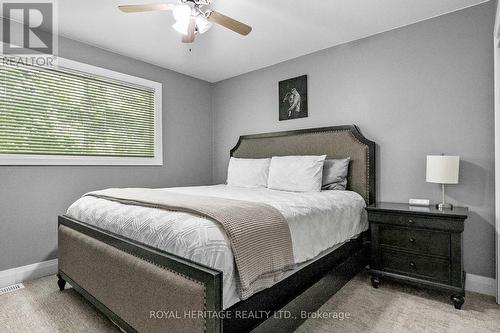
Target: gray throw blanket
259, 234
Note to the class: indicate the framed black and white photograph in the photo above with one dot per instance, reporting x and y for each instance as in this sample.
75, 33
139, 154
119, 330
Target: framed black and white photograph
293, 98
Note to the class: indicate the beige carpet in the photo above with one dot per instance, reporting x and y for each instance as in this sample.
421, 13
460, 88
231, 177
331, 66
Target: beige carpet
396, 308
40, 307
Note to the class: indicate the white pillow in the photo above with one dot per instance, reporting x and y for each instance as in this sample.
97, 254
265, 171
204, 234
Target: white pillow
296, 173
247, 172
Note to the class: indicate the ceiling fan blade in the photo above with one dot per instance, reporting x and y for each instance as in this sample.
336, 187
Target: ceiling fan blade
146, 7
229, 23
189, 38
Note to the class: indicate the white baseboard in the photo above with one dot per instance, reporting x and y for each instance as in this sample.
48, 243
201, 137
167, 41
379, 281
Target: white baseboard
481, 284
28, 272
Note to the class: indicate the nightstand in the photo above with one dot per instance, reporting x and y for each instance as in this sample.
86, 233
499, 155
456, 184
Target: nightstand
421, 246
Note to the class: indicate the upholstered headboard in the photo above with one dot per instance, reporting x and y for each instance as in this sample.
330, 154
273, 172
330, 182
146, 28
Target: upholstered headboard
335, 142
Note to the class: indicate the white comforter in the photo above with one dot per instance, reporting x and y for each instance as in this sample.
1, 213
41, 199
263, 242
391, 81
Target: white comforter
317, 220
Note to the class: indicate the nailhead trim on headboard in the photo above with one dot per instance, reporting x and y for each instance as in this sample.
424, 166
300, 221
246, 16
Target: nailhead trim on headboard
369, 150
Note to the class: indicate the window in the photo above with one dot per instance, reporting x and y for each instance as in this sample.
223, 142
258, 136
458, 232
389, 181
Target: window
77, 114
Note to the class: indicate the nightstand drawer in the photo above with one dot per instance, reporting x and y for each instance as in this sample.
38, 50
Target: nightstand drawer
416, 265
423, 241
404, 220
416, 221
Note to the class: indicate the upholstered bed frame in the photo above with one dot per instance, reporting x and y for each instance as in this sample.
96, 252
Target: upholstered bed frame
144, 289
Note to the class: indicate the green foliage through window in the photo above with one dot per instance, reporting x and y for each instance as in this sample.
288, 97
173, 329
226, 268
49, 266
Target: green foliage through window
57, 112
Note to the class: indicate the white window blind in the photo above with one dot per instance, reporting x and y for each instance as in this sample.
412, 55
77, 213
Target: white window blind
67, 115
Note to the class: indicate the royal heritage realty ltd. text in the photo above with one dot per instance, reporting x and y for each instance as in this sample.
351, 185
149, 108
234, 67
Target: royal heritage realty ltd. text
260, 314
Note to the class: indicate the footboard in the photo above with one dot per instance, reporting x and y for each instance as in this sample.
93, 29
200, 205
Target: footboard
138, 287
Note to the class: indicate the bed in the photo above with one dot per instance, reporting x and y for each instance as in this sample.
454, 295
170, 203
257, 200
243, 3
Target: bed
150, 269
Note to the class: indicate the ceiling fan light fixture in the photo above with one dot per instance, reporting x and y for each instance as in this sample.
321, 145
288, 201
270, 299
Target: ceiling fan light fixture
191, 18
202, 24
181, 27
182, 14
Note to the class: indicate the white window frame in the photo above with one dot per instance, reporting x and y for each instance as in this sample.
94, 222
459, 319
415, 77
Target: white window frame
61, 63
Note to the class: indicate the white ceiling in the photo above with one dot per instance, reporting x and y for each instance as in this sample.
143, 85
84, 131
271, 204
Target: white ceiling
282, 30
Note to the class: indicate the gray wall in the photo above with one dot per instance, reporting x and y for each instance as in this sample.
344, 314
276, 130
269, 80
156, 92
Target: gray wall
31, 197
421, 89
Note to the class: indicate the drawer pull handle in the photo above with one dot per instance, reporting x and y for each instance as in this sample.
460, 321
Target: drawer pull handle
412, 265
412, 240
411, 221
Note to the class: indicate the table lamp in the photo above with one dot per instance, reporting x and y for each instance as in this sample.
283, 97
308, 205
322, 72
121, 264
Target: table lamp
442, 169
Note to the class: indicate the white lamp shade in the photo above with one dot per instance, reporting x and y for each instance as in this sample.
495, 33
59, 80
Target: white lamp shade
202, 24
182, 13
442, 169
181, 28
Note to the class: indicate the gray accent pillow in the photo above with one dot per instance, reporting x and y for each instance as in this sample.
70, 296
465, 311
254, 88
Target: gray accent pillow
335, 174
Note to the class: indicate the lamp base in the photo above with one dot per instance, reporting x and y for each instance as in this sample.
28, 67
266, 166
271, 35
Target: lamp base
444, 206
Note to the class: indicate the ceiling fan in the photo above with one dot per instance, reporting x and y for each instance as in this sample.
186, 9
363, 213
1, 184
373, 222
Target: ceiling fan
191, 18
